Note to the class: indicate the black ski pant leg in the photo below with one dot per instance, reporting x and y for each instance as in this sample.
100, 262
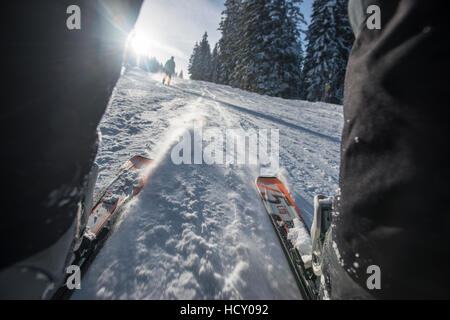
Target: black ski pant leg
58, 81
393, 211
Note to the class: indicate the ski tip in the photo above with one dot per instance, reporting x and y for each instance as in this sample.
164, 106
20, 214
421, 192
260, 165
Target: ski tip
269, 179
139, 161
266, 178
141, 158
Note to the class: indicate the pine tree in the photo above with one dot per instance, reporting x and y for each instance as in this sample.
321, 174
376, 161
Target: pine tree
205, 59
215, 64
268, 54
228, 41
298, 20
329, 41
154, 65
194, 63
346, 39
200, 63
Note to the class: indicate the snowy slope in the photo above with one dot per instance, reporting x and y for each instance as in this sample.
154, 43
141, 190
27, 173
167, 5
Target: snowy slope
201, 231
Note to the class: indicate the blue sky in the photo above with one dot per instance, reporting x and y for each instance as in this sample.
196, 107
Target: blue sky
307, 9
171, 27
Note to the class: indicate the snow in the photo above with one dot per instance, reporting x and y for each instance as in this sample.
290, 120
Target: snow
302, 241
200, 231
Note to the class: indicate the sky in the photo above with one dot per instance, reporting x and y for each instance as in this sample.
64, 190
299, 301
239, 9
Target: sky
168, 28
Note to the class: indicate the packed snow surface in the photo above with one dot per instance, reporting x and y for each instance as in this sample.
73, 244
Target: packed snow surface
200, 231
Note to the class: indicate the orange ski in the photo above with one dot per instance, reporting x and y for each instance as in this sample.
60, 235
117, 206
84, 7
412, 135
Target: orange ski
289, 227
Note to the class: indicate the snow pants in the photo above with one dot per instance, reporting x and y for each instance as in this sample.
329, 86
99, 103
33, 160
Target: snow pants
392, 221
60, 62
167, 78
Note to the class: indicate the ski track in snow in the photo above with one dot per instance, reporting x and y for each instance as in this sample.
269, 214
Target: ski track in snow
201, 231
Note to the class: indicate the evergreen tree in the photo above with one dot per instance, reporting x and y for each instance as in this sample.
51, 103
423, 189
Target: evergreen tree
268, 55
297, 19
346, 40
154, 65
200, 63
205, 59
194, 63
229, 40
329, 39
215, 64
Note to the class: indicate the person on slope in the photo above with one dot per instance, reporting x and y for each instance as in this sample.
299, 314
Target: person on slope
60, 80
169, 70
389, 233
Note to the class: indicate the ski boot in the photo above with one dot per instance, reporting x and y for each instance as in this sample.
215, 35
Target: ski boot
41, 275
323, 207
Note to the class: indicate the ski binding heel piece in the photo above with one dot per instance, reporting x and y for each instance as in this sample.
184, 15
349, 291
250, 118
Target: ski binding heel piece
323, 207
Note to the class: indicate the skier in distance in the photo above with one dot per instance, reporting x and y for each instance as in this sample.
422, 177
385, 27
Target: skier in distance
169, 70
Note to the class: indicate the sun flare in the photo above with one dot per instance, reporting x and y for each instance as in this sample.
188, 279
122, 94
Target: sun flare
139, 43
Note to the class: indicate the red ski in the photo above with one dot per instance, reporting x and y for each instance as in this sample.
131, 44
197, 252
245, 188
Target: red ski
109, 203
291, 231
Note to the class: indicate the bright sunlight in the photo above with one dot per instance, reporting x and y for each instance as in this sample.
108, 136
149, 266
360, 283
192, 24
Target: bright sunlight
139, 43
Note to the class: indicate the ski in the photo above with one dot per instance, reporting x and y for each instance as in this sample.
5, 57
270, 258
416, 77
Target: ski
292, 232
108, 205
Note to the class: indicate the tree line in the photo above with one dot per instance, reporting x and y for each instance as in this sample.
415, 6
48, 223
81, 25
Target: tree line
261, 49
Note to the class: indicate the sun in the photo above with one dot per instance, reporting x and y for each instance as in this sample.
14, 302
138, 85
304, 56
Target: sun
139, 43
